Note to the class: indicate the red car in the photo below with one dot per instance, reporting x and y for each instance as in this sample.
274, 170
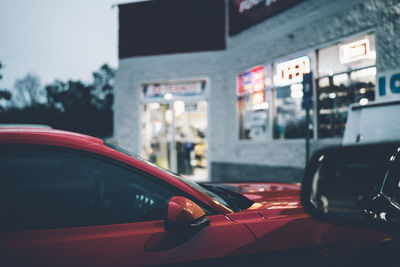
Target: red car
71, 199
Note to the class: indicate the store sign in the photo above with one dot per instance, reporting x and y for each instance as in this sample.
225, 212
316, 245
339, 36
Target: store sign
354, 51
389, 84
246, 5
251, 81
169, 90
245, 13
292, 71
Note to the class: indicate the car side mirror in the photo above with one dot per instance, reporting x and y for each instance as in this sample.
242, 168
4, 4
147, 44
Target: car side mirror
185, 214
355, 185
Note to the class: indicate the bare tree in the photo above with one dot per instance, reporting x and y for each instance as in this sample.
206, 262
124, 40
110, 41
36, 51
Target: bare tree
1, 76
5, 95
28, 90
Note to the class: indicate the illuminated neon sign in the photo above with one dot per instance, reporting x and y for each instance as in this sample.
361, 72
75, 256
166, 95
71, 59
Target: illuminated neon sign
292, 71
251, 81
354, 51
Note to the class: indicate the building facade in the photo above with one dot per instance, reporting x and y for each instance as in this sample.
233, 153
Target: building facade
236, 113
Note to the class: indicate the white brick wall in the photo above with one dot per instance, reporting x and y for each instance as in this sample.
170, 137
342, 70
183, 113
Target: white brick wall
305, 27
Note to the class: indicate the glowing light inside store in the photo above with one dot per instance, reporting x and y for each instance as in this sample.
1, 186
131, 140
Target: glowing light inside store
323, 82
154, 106
264, 105
296, 87
332, 95
364, 75
179, 108
341, 79
363, 101
168, 96
296, 90
296, 94
168, 116
157, 127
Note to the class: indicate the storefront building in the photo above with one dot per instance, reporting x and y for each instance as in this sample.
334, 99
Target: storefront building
236, 112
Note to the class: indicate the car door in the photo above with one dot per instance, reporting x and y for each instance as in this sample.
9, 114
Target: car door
67, 207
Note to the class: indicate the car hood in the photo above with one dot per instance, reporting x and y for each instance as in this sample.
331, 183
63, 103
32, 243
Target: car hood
274, 197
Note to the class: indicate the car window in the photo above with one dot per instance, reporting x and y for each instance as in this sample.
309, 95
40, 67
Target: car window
351, 170
188, 182
348, 176
43, 188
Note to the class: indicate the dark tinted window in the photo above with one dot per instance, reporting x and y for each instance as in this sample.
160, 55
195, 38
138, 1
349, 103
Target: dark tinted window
50, 188
344, 178
352, 172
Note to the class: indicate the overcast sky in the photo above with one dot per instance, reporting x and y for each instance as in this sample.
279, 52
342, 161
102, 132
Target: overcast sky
57, 39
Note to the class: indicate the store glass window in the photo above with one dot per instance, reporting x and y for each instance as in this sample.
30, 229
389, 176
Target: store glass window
253, 104
289, 120
346, 75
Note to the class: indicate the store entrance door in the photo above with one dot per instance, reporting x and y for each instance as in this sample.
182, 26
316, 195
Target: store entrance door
156, 137
174, 137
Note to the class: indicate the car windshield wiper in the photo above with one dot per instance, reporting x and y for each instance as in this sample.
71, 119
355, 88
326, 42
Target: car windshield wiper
237, 201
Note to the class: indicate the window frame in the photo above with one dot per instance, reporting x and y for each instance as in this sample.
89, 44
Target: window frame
331, 85
240, 118
311, 53
370, 33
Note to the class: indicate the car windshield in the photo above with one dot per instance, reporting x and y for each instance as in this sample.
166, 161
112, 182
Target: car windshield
188, 182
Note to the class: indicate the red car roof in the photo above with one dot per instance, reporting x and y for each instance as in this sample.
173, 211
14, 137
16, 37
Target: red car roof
45, 136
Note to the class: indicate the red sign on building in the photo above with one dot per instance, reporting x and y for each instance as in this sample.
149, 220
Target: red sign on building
245, 13
251, 81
